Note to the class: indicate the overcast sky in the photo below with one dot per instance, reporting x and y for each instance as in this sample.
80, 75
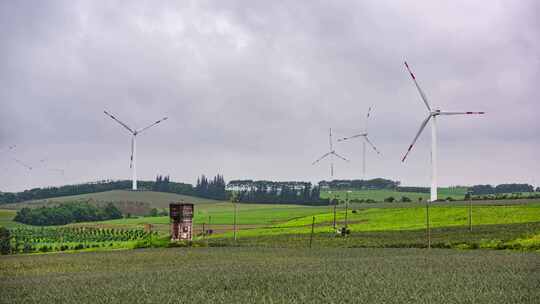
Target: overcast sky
251, 88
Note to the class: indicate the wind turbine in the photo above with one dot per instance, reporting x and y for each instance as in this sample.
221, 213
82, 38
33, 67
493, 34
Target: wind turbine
366, 140
331, 153
433, 117
20, 162
134, 134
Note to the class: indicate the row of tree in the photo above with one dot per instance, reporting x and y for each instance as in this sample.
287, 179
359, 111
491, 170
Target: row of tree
211, 188
413, 189
502, 188
67, 213
359, 184
264, 191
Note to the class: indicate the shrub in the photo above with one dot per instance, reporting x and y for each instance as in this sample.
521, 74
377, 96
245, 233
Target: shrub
405, 199
390, 199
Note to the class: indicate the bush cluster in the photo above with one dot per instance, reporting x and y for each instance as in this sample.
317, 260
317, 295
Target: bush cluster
67, 213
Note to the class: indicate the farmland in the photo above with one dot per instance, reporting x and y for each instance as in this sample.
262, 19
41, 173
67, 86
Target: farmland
276, 260
272, 275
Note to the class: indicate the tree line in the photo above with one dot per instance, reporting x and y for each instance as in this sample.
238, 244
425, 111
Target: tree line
67, 213
359, 184
263, 191
211, 188
502, 188
100, 186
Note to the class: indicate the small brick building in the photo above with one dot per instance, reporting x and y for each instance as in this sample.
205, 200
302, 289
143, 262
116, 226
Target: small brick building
181, 215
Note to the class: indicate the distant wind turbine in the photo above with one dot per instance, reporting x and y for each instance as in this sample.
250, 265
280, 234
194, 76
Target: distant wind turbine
331, 153
433, 116
18, 161
363, 135
134, 134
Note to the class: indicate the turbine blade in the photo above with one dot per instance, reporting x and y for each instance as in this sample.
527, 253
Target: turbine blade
372, 145
462, 113
367, 118
330, 140
422, 126
131, 157
22, 163
321, 158
153, 124
339, 156
118, 121
424, 98
351, 137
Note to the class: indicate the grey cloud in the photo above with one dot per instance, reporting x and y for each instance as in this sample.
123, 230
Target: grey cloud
251, 88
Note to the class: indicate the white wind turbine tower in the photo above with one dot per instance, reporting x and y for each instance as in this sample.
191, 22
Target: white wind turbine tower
433, 116
134, 134
331, 153
363, 135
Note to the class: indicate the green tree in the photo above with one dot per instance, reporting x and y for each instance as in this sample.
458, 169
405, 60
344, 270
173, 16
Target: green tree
5, 240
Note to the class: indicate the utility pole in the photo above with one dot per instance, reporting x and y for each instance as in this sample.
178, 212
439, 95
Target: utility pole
234, 200
427, 225
235, 227
335, 206
312, 230
470, 210
347, 208
203, 231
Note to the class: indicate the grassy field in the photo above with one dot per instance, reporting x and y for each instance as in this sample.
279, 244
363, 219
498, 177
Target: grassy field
410, 218
272, 275
522, 237
248, 214
6, 219
380, 195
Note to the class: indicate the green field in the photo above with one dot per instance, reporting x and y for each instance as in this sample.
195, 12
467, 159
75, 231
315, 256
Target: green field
272, 275
6, 219
279, 224
408, 218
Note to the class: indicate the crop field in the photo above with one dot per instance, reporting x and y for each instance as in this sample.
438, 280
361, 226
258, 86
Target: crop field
29, 240
272, 275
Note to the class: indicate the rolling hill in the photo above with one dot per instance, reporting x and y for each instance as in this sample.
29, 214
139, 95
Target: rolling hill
150, 198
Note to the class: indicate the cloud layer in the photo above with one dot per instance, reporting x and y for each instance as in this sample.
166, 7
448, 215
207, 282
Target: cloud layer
251, 88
